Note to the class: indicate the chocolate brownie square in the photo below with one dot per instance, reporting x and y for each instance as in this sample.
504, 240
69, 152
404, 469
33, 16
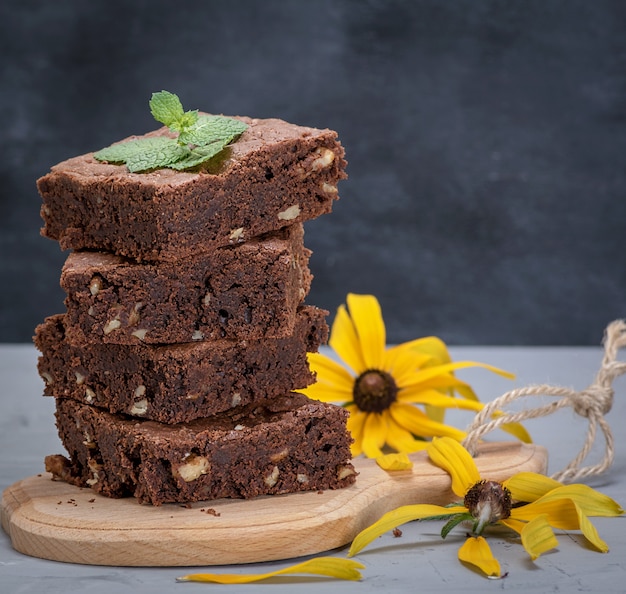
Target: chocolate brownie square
178, 382
274, 175
248, 291
287, 445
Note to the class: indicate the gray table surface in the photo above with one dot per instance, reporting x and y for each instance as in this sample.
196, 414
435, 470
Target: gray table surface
418, 561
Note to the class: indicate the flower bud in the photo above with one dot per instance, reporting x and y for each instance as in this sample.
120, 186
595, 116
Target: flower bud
488, 502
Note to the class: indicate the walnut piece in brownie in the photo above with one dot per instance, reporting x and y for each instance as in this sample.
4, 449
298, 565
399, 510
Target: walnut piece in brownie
287, 445
274, 175
251, 290
178, 382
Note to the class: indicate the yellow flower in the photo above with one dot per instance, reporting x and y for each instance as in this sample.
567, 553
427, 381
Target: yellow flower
381, 386
528, 503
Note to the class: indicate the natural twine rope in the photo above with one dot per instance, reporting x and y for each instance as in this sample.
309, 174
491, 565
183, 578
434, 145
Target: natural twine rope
593, 403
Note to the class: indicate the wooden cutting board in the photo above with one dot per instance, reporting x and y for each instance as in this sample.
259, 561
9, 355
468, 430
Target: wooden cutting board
54, 520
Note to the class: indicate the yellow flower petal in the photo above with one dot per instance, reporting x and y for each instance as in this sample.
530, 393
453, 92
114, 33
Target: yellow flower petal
564, 514
516, 430
590, 501
330, 372
445, 383
397, 517
374, 435
356, 449
344, 569
434, 400
402, 361
402, 440
433, 397
476, 551
465, 390
449, 382
326, 393
590, 532
513, 524
415, 421
355, 424
367, 318
434, 347
456, 461
399, 461
345, 341
435, 413
538, 537
428, 373
529, 486
561, 513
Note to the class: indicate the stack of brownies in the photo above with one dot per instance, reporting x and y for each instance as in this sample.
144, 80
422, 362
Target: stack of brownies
186, 333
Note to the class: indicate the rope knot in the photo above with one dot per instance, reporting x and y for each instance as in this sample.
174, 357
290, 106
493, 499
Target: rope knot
593, 403
596, 400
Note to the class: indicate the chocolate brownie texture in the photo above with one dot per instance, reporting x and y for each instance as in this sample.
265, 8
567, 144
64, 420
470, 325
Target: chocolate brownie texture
178, 382
274, 175
248, 291
287, 445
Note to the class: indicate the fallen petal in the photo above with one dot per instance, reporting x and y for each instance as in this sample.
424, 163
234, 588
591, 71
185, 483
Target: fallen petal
344, 569
476, 552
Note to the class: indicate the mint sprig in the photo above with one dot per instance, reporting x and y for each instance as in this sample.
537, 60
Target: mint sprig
200, 138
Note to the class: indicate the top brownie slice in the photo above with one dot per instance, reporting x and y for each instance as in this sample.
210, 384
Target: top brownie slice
274, 175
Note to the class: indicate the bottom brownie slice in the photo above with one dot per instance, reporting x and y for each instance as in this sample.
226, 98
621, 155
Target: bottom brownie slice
180, 382
286, 445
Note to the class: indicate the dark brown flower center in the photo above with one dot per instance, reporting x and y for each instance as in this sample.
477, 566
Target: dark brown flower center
488, 502
374, 391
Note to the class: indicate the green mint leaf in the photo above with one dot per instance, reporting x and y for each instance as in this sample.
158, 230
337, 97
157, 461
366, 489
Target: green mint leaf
199, 155
200, 138
187, 121
156, 155
210, 129
116, 153
166, 108
142, 154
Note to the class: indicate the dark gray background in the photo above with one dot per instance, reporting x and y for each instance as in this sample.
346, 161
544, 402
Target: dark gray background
486, 142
